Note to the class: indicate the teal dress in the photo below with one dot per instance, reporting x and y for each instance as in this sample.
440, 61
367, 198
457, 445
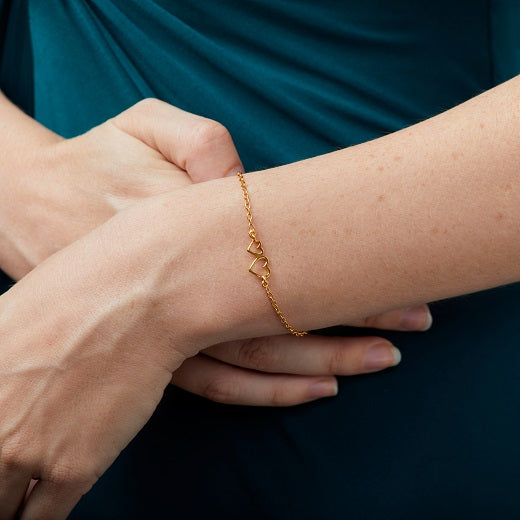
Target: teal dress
436, 437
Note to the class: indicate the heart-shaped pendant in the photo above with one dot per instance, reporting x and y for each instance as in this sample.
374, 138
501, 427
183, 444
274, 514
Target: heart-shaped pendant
262, 271
255, 247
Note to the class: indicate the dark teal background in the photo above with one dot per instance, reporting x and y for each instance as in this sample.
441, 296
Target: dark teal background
436, 437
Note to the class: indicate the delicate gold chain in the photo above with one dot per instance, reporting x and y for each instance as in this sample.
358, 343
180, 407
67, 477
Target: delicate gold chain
260, 265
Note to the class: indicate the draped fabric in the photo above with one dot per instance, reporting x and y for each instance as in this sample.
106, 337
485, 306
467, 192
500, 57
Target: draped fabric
435, 437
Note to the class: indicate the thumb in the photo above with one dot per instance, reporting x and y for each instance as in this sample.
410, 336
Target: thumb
200, 146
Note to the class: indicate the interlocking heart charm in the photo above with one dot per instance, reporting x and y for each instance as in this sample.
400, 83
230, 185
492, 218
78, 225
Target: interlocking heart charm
259, 269
255, 247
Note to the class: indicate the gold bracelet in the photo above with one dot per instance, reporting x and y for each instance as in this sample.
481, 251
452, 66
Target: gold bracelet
260, 265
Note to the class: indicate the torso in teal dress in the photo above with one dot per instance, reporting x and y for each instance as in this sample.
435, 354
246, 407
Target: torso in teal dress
436, 437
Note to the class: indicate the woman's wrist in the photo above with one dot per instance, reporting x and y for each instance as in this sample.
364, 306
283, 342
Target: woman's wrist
187, 251
204, 239
225, 300
423, 214
22, 210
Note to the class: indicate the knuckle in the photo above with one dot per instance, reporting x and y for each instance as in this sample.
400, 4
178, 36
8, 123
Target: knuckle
370, 321
208, 131
256, 353
146, 105
280, 396
11, 459
336, 362
133, 115
221, 391
78, 476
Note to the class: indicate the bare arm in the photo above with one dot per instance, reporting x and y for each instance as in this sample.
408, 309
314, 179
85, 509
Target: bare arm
428, 212
55, 190
425, 213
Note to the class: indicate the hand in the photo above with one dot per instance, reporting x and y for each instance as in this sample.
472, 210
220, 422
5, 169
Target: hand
67, 406
79, 382
67, 187
285, 370
205, 150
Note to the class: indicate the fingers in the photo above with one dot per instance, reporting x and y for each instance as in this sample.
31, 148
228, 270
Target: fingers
310, 355
51, 501
224, 383
281, 370
202, 147
13, 485
414, 318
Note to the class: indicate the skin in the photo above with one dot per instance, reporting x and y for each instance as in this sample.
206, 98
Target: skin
62, 189
108, 349
68, 187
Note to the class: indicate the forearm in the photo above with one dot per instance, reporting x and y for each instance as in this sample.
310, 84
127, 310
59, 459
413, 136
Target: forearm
429, 212
21, 144
426, 213
18, 130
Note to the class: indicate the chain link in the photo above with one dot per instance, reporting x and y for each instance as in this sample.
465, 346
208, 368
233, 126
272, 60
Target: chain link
255, 248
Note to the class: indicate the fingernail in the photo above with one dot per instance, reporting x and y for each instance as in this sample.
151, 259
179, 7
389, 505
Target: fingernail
416, 318
324, 388
381, 355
